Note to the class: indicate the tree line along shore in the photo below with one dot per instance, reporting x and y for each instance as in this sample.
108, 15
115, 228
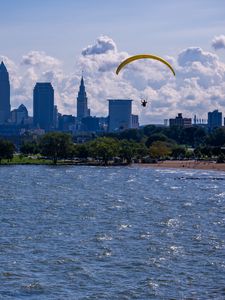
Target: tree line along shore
150, 144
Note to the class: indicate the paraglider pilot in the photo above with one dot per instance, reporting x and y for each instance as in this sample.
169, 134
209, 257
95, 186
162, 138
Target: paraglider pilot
143, 103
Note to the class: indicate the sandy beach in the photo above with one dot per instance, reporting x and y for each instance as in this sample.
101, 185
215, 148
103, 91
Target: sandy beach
190, 164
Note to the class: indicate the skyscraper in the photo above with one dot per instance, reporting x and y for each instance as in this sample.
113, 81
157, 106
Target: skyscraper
4, 94
119, 114
82, 107
43, 105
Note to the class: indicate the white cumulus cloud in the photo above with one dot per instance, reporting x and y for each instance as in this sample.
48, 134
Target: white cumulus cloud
104, 44
35, 58
218, 42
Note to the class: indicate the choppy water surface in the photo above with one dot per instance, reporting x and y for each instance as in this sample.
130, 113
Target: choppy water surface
111, 233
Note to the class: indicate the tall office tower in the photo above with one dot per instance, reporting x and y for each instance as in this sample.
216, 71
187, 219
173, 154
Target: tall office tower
119, 114
43, 105
4, 94
214, 119
82, 108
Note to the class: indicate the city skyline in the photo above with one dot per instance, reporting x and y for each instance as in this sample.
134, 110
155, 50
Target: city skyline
45, 112
194, 43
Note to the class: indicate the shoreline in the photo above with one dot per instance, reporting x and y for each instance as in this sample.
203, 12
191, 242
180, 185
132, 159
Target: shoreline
187, 164
167, 164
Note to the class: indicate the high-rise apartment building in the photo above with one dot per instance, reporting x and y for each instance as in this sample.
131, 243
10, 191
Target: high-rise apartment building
214, 119
43, 105
4, 94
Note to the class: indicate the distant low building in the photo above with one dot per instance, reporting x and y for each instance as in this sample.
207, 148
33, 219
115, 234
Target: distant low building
19, 115
66, 123
180, 121
90, 124
214, 119
7, 130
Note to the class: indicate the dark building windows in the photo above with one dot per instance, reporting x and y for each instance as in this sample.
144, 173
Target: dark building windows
43, 105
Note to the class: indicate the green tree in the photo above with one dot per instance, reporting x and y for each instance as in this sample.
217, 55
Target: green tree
157, 137
81, 151
7, 150
127, 150
216, 138
141, 150
148, 130
160, 149
131, 135
104, 148
29, 148
178, 152
199, 136
221, 159
56, 145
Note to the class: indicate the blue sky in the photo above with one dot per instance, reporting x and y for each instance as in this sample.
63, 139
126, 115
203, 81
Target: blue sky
42, 40
64, 28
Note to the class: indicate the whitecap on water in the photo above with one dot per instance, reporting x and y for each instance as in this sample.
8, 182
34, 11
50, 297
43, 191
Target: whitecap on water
222, 195
145, 235
173, 222
187, 204
153, 285
167, 171
175, 187
176, 249
124, 226
104, 237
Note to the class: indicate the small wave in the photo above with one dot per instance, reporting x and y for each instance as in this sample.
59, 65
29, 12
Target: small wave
220, 195
104, 238
199, 178
173, 223
145, 235
176, 249
153, 285
175, 187
124, 226
34, 287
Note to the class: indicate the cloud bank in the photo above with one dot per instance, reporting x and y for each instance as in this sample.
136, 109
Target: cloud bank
199, 85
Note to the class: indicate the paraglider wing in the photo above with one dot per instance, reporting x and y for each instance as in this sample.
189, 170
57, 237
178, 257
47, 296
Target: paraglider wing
141, 56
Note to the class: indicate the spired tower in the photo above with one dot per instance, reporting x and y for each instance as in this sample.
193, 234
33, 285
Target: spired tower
4, 94
82, 108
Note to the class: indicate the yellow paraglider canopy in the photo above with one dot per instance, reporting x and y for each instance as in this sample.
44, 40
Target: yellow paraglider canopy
141, 56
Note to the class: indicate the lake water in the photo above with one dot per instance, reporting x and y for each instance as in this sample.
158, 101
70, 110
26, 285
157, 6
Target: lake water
73, 232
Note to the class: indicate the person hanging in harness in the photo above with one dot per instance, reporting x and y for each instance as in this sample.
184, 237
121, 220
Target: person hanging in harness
144, 103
